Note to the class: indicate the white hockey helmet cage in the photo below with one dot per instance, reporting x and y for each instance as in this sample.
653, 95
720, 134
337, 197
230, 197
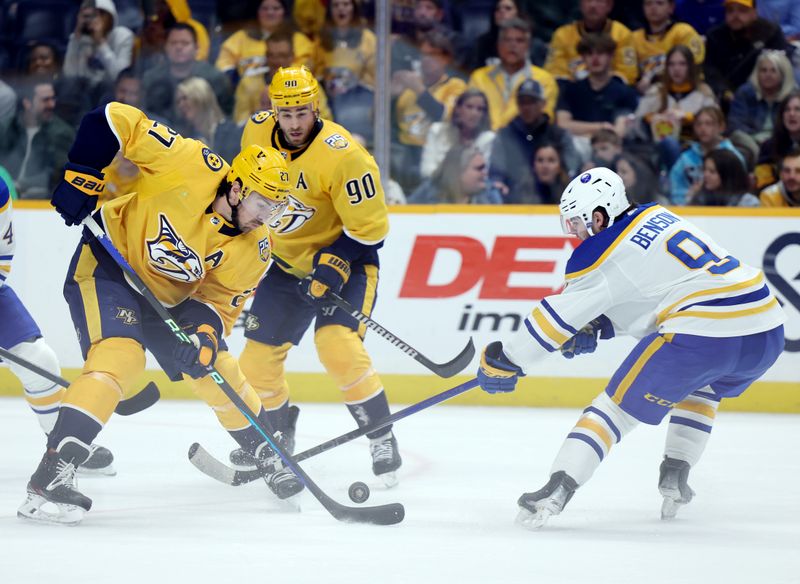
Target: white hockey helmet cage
597, 187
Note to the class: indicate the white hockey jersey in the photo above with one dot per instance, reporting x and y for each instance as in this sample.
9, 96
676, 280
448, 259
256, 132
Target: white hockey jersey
6, 233
652, 271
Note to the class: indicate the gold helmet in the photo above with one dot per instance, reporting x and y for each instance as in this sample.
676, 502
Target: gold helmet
294, 86
262, 170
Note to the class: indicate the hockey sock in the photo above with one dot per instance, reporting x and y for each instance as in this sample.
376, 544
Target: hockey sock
371, 410
600, 426
250, 438
75, 424
43, 396
690, 426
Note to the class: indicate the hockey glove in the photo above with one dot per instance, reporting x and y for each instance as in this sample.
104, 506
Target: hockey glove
76, 195
497, 374
330, 274
194, 359
586, 339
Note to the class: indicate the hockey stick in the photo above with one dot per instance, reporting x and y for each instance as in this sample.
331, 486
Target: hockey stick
452, 367
379, 515
126, 407
220, 471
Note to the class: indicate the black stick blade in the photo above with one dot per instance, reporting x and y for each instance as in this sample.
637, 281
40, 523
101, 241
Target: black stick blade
389, 514
453, 366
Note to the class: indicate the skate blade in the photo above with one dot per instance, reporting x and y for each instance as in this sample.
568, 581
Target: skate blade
35, 509
389, 479
106, 471
533, 521
669, 508
290, 504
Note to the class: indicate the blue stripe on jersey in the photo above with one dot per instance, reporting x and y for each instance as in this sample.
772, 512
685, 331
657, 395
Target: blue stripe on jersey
557, 318
5, 195
606, 419
6, 258
536, 336
50, 411
595, 446
590, 250
691, 423
2, 276
759, 294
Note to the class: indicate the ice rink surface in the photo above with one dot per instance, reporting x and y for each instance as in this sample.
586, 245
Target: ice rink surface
161, 521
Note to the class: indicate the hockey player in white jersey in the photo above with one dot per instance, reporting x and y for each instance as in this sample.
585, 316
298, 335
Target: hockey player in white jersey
20, 336
708, 325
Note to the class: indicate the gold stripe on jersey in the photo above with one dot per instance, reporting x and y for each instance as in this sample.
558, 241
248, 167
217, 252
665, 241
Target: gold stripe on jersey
548, 329
719, 314
755, 282
168, 230
336, 188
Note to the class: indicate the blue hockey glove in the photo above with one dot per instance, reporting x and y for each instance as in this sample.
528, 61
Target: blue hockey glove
194, 360
330, 274
586, 339
497, 374
76, 195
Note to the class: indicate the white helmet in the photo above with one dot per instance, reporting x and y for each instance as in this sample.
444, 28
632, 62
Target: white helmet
597, 187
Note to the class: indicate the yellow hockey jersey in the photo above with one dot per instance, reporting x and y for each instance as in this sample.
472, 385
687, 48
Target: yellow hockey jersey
651, 49
412, 120
501, 91
168, 232
564, 62
336, 189
247, 54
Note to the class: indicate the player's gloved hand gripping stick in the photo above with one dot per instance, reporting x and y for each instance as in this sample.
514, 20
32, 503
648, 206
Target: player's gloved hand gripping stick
379, 515
327, 294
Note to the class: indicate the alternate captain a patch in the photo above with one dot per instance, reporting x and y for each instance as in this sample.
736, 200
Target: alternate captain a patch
170, 255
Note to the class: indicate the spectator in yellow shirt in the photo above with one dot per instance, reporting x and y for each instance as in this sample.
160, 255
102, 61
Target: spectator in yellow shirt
567, 64
344, 40
500, 82
786, 192
654, 41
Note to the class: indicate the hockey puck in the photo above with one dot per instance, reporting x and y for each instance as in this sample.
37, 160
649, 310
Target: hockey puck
359, 492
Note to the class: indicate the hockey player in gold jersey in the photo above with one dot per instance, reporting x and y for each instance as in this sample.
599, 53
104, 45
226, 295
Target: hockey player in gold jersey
335, 223
196, 233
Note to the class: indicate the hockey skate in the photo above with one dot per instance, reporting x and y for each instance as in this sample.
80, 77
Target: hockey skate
99, 463
385, 458
283, 483
243, 460
536, 508
673, 486
53, 496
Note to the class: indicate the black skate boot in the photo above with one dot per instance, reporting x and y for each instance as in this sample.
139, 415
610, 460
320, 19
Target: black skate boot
280, 480
673, 475
385, 458
536, 508
54, 483
99, 463
243, 460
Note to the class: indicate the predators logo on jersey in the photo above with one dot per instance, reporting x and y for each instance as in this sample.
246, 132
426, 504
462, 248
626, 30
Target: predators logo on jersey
337, 142
294, 217
171, 256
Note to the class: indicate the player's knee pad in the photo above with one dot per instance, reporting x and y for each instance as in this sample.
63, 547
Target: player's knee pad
344, 357
263, 366
110, 371
40, 354
208, 390
43, 396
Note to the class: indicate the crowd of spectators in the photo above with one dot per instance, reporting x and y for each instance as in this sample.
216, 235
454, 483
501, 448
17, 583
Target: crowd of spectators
693, 102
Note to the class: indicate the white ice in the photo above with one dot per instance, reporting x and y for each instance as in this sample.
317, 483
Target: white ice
159, 520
